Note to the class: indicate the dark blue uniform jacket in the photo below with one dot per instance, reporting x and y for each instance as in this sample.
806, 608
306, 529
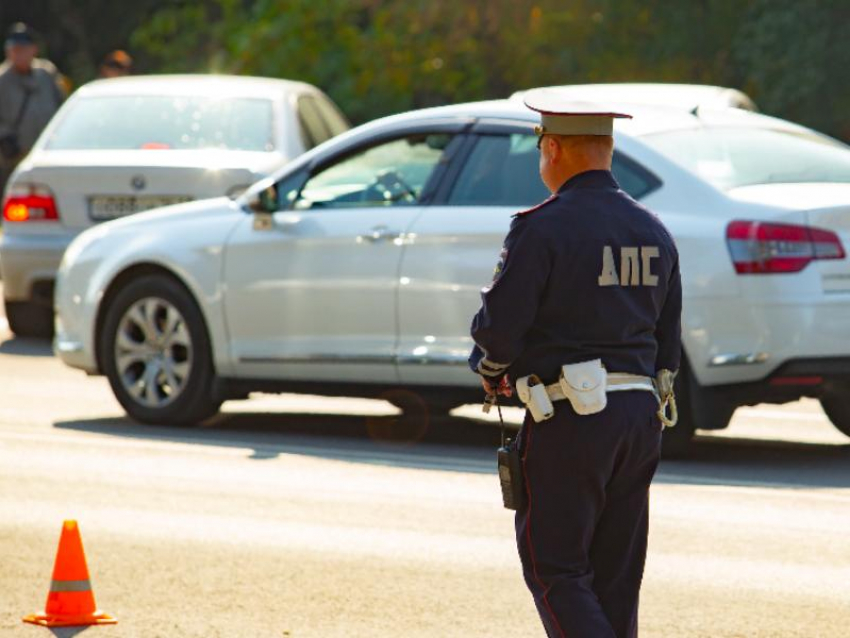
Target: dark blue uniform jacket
587, 274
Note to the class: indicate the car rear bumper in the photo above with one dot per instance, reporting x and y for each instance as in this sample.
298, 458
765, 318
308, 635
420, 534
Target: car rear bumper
29, 264
729, 342
811, 377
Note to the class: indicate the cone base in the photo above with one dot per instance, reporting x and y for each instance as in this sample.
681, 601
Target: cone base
48, 620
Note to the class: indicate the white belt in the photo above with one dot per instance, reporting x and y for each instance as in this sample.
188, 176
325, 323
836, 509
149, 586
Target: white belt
616, 382
584, 384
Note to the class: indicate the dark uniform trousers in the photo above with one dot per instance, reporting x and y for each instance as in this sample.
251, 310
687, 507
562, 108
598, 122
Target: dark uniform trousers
582, 536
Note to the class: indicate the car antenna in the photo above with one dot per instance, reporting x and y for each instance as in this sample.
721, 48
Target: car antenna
695, 111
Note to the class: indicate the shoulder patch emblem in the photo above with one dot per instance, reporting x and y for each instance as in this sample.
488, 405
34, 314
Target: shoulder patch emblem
537, 207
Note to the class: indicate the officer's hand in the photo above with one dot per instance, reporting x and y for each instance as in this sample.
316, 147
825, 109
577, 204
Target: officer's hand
488, 389
503, 388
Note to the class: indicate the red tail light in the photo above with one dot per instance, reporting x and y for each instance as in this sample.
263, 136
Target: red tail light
765, 248
27, 203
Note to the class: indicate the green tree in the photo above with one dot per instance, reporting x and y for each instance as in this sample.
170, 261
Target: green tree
376, 57
794, 57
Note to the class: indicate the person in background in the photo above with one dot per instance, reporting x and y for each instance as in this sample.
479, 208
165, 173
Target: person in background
31, 91
116, 64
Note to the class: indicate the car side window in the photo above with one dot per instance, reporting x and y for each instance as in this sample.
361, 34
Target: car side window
394, 173
502, 170
286, 189
335, 121
311, 124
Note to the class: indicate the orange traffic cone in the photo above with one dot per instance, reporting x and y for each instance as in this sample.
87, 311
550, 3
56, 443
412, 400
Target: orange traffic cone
71, 600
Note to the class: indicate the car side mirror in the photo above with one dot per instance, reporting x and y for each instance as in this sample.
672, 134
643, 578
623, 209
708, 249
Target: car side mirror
263, 204
265, 201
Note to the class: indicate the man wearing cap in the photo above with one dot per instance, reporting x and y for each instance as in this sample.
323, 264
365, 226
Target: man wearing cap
583, 318
30, 93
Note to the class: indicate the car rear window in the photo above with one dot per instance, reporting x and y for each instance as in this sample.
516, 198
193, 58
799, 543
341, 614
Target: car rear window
165, 122
729, 157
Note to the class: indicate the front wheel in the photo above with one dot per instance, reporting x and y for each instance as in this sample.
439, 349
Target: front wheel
837, 408
156, 353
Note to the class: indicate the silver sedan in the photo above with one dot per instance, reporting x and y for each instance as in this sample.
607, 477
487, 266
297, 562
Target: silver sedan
122, 146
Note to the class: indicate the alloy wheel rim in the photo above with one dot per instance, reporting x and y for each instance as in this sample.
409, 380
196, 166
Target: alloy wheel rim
153, 352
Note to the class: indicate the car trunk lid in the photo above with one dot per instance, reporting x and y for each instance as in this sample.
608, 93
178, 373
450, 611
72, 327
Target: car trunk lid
94, 186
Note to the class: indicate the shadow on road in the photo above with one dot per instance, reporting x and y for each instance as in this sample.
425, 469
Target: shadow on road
466, 445
444, 443
26, 347
68, 632
756, 462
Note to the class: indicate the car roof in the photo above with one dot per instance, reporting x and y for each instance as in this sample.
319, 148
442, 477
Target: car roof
672, 94
212, 85
647, 119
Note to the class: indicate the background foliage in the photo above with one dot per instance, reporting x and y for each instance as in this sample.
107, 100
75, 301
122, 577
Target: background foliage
377, 57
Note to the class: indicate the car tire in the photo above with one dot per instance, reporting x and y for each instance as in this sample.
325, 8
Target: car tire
27, 319
676, 440
837, 408
408, 427
156, 353
417, 402
700, 408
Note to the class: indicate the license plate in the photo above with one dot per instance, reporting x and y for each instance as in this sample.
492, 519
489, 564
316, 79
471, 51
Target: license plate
106, 207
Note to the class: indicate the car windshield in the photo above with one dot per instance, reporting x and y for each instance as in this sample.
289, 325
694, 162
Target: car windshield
728, 157
165, 122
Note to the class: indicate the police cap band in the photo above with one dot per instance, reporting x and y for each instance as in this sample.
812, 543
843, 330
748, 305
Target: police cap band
560, 116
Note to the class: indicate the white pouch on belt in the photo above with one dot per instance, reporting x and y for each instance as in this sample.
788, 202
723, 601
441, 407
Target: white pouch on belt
532, 392
585, 385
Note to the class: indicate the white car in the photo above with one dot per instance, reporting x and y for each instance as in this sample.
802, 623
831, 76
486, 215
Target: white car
357, 268
690, 96
125, 145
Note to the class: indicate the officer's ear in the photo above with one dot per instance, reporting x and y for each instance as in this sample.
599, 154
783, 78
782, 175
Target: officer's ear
554, 148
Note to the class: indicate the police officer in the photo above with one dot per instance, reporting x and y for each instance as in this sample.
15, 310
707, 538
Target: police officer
583, 313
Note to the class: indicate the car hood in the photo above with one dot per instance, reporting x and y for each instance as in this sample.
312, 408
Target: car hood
164, 235
804, 196
178, 214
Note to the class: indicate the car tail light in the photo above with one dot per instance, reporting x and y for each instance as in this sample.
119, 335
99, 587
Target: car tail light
29, 203
766, 248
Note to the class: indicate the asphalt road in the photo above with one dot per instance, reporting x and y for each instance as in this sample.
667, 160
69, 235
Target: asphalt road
290, 516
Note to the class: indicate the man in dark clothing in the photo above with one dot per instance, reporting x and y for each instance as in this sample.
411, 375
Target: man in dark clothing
586, 304
30, 93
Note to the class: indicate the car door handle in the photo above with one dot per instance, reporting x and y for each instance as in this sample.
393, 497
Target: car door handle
379, 233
